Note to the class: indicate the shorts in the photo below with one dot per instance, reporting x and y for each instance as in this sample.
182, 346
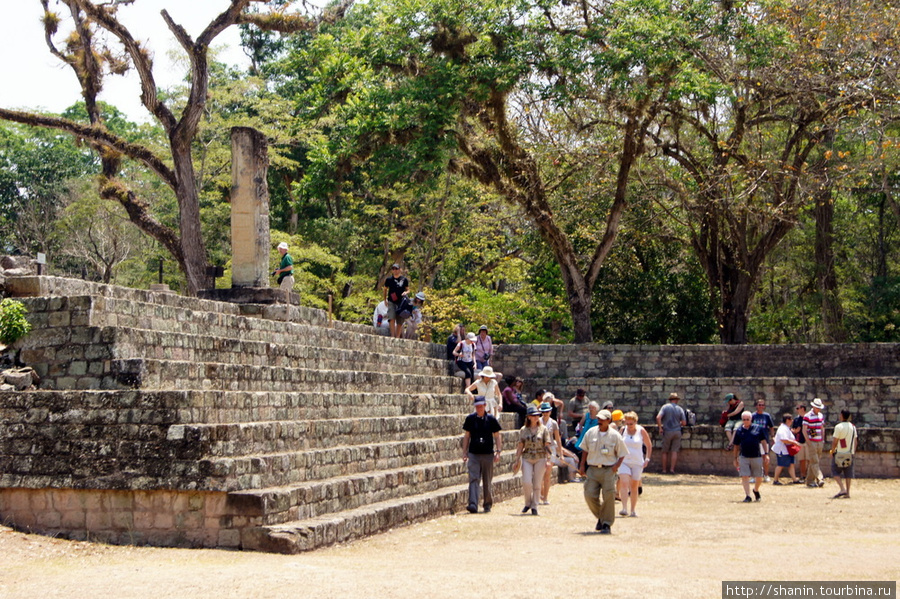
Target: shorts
750, 466
671, 442
732, 424
391, 310
785, 460
634, 472
842, 472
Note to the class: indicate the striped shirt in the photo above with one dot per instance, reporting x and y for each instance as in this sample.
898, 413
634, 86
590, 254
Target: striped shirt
815, 424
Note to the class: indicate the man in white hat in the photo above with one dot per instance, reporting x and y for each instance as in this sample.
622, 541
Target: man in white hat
814, 431
285, 272
605, 451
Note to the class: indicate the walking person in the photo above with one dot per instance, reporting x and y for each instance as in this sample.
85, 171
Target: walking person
533, 457
465, 358
285, 272
480, 451
843, 448
637, 440
486, 386
396, 288
763, 420
484, 348
670, 419
784, 440
814, 431
749, 445
604, 451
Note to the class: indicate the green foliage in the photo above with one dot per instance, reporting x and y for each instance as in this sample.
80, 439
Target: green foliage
13, 323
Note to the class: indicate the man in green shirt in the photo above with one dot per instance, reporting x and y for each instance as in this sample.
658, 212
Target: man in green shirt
285, 272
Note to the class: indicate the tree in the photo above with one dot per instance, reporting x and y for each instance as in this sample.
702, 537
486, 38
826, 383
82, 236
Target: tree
92, 60
782, 79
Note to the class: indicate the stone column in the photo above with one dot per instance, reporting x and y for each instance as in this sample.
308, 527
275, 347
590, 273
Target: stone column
249, 209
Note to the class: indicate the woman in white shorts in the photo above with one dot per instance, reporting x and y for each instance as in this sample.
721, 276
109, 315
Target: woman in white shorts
636, 439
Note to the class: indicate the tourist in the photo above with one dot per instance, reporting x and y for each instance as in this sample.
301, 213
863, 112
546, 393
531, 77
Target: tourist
588, 421
763, 420
533, 457
814, 431
639, 446
465, 358
797, 429
285, 272
843, 448
396, 287
486, 386
749, 445
670, 419
732, 413
617, 417
512, 399
413, 321
558, 453
784, 439
484, 348
458, 334
577, 406
604, 450
480, 451
557, 406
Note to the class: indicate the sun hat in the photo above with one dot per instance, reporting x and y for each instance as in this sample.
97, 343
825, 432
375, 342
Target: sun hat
817, 403
533, 411
604, 415
483, 327
488, 372
545, 407
283, 245
673, 396
617, 415
471, 336
607, 405
420, 296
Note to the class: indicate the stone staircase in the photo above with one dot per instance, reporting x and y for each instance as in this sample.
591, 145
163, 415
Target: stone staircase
258, 427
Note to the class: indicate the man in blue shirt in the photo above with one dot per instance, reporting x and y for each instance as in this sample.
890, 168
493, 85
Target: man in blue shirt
764, 421
749, 446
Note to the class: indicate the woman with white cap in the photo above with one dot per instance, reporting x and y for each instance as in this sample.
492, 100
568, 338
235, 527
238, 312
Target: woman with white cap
465, 358
533, 457
486, 385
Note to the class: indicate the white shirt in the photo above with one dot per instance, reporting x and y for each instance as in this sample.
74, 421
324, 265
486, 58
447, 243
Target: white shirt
783, 432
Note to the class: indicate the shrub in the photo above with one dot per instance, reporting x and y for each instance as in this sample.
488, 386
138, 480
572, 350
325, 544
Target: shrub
13, 324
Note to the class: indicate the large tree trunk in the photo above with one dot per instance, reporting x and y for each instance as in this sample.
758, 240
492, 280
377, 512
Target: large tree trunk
832, 313
192, 246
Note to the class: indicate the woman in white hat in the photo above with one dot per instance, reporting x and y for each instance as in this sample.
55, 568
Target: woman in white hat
486, 385
465, 358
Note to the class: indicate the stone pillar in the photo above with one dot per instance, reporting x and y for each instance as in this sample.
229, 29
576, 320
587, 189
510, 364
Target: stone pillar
249, 209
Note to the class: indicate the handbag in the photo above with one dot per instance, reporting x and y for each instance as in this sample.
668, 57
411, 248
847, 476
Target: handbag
843, 460
723, 419
793, 449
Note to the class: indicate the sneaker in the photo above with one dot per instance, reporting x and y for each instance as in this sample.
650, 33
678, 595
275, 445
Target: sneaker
821, 483
752, 479
812, 485
747, 499
634, 514
471, 509
605, 529
545, 502
756, 494
767, 479
623, 512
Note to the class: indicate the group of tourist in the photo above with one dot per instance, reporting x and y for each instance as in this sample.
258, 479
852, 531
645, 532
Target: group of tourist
608, 450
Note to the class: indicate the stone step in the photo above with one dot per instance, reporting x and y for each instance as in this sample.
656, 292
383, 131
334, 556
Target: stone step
285, 468
58, 312
320, 531
236, 439
174, 374
141, 407
310, 499
141, 343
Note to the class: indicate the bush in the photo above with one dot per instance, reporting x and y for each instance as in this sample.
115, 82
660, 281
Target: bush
13, 324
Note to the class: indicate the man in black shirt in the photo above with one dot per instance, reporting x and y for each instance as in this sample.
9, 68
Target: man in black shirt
396, 287
480, 451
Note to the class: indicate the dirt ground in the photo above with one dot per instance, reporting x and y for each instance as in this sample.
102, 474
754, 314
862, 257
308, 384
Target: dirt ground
691, 534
